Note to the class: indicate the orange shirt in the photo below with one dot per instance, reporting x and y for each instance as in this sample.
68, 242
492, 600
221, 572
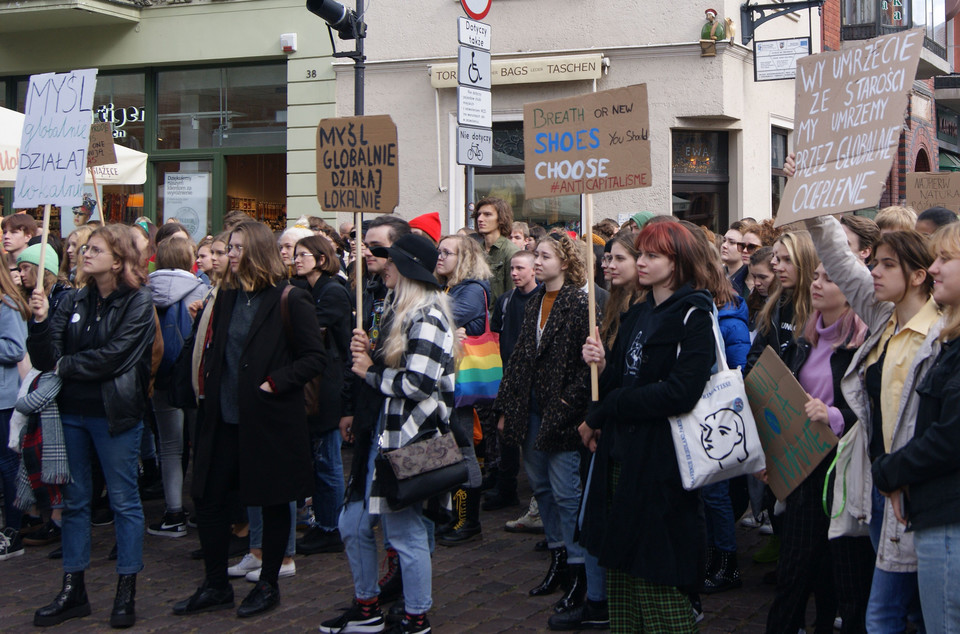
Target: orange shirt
546, 305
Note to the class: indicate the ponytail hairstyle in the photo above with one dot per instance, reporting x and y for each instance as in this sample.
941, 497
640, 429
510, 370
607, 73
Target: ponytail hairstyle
945, 243
570, 254
803, 254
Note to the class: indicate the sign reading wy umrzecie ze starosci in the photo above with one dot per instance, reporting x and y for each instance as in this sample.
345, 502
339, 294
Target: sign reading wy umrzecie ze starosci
358, 169
592, 143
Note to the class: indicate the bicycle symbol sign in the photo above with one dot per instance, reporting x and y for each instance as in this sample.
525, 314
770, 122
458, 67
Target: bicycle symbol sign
473, 68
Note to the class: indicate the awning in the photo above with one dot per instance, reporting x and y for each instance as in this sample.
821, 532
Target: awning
949, 161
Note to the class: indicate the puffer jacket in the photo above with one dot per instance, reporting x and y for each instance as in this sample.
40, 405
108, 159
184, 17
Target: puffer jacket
733, 318
896, 553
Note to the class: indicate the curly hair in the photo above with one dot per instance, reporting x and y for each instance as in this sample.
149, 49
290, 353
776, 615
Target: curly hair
765, 230
569, 253
471, 261
119, 240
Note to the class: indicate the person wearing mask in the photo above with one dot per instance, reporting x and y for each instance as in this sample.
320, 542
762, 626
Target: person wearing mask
463, 271
921, 479
640, 523
413, 368
252, 435
543, 397
506, 320
99, 342
14, 313
317, 264
174, 288
494, 218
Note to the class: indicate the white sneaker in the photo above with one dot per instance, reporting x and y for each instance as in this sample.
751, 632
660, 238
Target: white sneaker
766, 528
249, 563
286, 570
838, 623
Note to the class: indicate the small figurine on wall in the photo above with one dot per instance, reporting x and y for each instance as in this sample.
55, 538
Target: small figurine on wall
711, 33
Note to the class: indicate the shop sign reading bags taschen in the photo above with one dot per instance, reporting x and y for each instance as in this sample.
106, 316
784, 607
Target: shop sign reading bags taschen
717, 439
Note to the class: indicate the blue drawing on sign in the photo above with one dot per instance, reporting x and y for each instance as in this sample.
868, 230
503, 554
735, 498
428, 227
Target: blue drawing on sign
772, 421
721, 435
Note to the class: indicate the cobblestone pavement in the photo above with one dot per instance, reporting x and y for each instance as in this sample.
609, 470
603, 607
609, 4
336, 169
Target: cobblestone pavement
477, 587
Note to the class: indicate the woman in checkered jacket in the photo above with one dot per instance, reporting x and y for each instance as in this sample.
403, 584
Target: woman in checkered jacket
414, 369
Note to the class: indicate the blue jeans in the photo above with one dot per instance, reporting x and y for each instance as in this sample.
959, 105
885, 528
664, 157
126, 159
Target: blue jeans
255, 517
408, 536
721, 524
328, 487
170, 430
9, 464
938, 574
118, 456
894, 596
555, 480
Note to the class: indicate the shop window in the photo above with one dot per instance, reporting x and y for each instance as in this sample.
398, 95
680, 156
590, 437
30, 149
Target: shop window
222, 107
257, 185
505, 180
778, 179
119, 100
185, 194
700, 177
859, 12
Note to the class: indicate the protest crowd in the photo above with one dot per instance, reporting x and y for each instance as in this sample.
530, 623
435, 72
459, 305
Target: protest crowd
144, 363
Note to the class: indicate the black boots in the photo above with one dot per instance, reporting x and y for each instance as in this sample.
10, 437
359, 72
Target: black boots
70, 603
576, 589
466, 507
725, 574
123, 614
391, 583
556, 575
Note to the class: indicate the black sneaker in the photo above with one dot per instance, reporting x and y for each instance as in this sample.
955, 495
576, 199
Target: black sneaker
359, 618
10, 544
412, 624
317, 540
172, 525
44, 536
592, 615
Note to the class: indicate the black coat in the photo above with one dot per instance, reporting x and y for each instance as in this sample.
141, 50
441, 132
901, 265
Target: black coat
334, 310
275, 456
651, 528
928, 464
554, 371
119, 358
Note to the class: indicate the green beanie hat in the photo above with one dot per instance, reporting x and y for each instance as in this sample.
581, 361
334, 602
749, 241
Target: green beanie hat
642, 218
32, 255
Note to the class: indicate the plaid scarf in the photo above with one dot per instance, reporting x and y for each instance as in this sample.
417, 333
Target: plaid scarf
43, 450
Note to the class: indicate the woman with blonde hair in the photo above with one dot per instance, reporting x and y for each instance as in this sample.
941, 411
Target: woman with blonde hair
99, 343
413, 368
543, 397
463, 270
922, 479
72, 252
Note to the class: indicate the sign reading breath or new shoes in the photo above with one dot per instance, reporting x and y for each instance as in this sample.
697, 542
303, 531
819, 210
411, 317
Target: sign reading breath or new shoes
849, 116
357, 165
592, 143
55, 139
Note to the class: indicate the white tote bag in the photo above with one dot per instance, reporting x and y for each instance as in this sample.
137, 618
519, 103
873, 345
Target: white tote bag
717, 440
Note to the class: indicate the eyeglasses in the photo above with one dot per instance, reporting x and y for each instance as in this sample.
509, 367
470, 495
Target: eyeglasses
79, 213
607, 258
445, 254
302, 255
746, 247
93, 251
235, 247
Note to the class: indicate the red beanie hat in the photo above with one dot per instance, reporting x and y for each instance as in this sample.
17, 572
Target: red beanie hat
429, 224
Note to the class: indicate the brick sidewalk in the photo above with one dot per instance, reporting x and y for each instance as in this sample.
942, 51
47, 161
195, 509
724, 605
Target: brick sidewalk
478, 587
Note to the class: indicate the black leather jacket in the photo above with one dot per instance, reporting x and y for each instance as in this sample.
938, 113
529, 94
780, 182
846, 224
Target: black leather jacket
119, 357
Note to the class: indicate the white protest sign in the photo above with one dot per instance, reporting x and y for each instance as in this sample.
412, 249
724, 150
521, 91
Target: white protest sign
56, 134
185, 198
849, 115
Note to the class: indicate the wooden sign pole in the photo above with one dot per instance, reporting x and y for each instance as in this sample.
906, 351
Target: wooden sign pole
358, 264
591, 296
42, 269
96, 192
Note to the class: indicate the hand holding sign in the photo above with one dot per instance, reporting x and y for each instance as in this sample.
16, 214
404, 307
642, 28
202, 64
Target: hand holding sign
849, 114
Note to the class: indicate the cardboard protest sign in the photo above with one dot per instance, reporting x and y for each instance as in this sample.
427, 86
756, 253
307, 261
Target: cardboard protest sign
592, 143
100, 151
926, 190
792, 444
53, 145
849, 114
357, 165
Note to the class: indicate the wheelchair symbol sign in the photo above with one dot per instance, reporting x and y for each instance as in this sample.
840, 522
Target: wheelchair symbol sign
473, 67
